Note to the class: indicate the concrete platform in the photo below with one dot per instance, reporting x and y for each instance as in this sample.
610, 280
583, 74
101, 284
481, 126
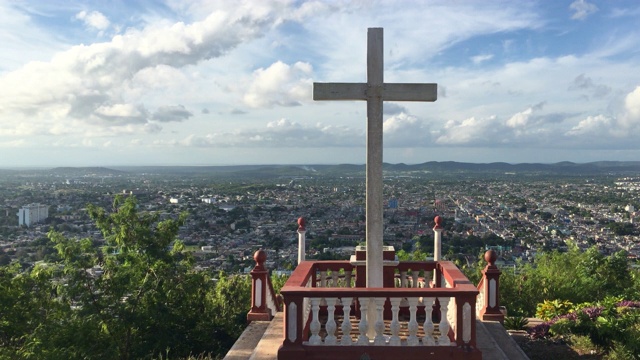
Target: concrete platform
248, 341
261, 340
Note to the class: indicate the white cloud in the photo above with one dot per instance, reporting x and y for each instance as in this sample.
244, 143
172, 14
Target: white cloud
582, 9
280, 84
629, 121
481, 58
523, 118
470, 131
94, 19
390, 108
403, 130
609, 130
592, 125
89, 83
632, 104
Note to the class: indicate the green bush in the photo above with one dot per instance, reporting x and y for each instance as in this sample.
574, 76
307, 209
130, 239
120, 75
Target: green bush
563, 327
515, 322
554, 308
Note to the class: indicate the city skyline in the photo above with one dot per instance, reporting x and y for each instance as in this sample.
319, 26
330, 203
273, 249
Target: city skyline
228, 82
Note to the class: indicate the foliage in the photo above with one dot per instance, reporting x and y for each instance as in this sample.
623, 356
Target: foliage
138, 297
553, 308
417, 255
609, 324
278, 282
573, 276
515, 322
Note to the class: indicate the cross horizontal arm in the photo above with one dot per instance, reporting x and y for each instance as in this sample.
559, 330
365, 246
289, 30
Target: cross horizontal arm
390, 91
410, 92
339, 91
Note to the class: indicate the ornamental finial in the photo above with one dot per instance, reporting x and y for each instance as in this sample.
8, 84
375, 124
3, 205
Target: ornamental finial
438, 221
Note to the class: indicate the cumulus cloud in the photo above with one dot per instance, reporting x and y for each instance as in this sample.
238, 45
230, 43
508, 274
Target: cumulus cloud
608, 129
94, 84
598, 124
631, 118
94, 20
523, 118
529, 126
582, 9
470, 131
280, 84
389, 108
171, 113
403, 130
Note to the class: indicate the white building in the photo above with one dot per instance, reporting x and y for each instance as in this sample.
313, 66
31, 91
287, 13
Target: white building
32, 213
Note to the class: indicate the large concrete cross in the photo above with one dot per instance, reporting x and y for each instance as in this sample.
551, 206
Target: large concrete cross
374, 92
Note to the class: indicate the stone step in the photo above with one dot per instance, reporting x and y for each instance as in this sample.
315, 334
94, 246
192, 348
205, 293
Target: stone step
495, 343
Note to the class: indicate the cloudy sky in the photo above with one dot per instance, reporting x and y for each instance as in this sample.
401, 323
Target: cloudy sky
200, 82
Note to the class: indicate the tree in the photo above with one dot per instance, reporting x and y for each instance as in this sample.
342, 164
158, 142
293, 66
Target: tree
574, 276
136, 298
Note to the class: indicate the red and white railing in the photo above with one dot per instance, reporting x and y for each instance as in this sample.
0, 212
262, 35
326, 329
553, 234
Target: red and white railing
322, 308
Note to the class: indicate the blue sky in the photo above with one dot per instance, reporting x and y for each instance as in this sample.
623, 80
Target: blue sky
196, 82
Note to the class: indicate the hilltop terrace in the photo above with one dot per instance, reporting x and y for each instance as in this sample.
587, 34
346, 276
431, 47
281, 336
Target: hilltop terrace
425, 310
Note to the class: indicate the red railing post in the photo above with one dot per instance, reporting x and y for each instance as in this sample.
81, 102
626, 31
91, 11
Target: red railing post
466, 321
491, 289
259, 287
291, 347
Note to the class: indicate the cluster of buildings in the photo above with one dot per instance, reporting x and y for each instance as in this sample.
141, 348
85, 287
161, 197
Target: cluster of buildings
228, 221
32, 214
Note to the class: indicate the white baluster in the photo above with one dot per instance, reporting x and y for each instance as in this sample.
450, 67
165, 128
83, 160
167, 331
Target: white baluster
428, 323
466, 323
395, 323
346, 322
347, 278
413, 340
452, 315
414, 276
334, 278
331, 325
363, 339
443, 339
315, 339
323, 283
403, 279
379, 339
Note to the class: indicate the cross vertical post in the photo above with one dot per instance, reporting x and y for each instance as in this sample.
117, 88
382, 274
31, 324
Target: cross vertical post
374, 210
374, 91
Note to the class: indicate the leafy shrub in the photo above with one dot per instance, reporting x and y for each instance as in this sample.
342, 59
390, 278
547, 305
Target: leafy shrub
515, 322
539, 331
621, 352
611, 324
563, 326
554, 308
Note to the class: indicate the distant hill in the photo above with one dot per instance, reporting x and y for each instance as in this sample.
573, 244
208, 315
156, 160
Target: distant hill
566, 168
84, 171
288, 171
